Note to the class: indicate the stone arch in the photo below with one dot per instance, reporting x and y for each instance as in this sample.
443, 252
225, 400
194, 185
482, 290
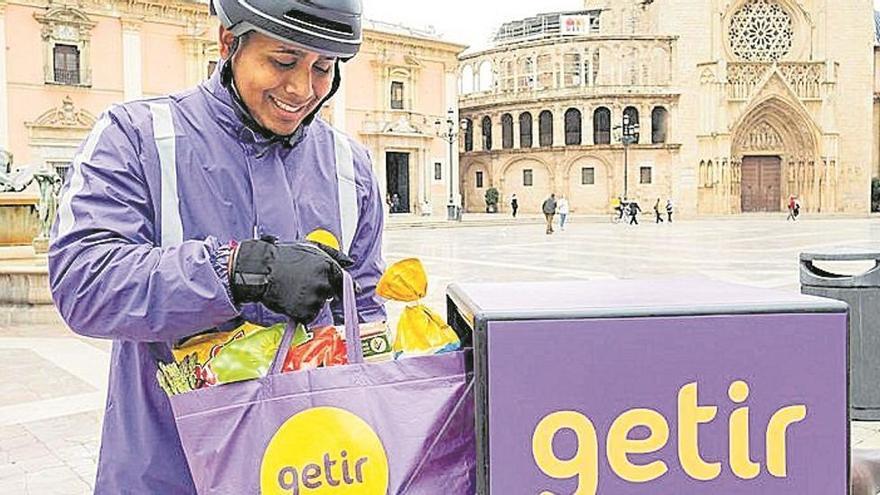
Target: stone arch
510, 180
798, 132
778, 125
473, 197
593, 198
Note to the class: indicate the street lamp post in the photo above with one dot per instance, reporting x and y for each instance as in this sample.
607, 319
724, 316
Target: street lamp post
628, 134
450, 134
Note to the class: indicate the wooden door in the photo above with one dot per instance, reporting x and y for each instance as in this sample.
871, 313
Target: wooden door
761, 183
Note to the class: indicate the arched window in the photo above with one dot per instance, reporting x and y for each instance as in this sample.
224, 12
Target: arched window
487, 133
468, 135
572, 126
571, 75
467, 79
545, 126
507, 131
602, 126
485, 76
525, 130
659, 119
631, 115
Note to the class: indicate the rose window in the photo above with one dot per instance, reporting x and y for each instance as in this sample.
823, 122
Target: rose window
761, 31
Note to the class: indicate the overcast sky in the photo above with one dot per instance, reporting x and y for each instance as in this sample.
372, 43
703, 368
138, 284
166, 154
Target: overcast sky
469, 22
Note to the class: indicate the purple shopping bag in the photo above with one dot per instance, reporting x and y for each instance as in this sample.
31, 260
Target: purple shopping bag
400, 427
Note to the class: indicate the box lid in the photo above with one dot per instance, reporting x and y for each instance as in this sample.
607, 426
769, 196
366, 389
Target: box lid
627, 298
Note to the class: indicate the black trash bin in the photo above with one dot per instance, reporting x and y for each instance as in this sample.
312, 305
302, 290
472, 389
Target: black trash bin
862, 293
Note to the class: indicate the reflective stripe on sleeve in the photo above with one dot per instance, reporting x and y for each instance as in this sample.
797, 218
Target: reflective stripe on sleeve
77, 181
348, 205
163, 132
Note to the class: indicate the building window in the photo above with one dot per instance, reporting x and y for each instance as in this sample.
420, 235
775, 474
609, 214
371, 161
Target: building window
66, 33
545, 125
479, 179
507, 131
468, 135
526, 74
571, 75
528, 178
645, 175
588, 176
631, 115
659, 122
487, 133
602, 126
546, 72
66, 64
761, 31
572, 126
525, 130
438, 171
396, 95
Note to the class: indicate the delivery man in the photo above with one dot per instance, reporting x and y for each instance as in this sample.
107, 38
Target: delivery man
166, 227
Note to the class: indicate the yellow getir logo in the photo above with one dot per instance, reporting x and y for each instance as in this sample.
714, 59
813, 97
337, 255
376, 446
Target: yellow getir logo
324, 451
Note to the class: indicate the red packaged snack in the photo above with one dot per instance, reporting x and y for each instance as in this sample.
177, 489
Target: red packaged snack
325, 348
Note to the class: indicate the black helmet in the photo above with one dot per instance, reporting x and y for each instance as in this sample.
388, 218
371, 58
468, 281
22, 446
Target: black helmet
329, 27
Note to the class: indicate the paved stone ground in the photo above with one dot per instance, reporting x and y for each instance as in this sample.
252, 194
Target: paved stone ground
52, 383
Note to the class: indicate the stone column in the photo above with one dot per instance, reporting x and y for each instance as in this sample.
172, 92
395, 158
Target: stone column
644, 123
132, 59
4, 98
587, 126
559, 125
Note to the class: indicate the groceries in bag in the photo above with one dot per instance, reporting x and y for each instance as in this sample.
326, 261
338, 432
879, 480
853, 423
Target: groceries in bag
420, 331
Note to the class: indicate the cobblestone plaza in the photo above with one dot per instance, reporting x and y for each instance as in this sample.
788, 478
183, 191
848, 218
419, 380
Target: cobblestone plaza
52, 382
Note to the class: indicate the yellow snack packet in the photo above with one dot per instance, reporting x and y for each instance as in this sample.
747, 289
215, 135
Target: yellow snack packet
204, 347
420, 331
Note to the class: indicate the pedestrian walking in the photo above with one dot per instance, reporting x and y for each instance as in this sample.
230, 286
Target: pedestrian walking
563, 209
669, 209
634, 211
549, 209
792, 203
658, 218
395, 203
168, 228
514, 204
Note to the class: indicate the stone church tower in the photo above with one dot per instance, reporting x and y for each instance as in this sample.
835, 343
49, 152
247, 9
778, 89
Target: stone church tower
777, 95
741, 104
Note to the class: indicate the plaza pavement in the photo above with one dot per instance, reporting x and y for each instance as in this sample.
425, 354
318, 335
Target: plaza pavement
53, 383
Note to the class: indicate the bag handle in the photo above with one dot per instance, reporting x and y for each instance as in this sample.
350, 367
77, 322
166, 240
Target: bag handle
354, 350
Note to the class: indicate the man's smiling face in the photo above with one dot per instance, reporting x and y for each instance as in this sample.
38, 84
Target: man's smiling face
280, 83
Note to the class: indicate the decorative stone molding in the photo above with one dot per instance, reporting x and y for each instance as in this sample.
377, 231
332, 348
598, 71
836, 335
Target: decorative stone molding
65, 116
762, 138
806, 79
66, 26
761, 31
167, 11
65, 124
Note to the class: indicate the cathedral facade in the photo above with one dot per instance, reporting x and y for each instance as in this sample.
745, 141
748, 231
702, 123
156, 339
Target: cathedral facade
725, 107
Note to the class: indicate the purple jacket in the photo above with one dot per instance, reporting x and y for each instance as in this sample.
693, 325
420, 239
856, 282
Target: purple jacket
115, 275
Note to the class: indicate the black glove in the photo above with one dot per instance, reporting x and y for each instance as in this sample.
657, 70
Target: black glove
292, 279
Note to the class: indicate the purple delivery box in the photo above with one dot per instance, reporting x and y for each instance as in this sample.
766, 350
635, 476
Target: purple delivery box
658, 387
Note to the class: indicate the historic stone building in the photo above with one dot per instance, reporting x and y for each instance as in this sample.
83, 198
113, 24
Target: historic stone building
396, 97
739, 105
66, 61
